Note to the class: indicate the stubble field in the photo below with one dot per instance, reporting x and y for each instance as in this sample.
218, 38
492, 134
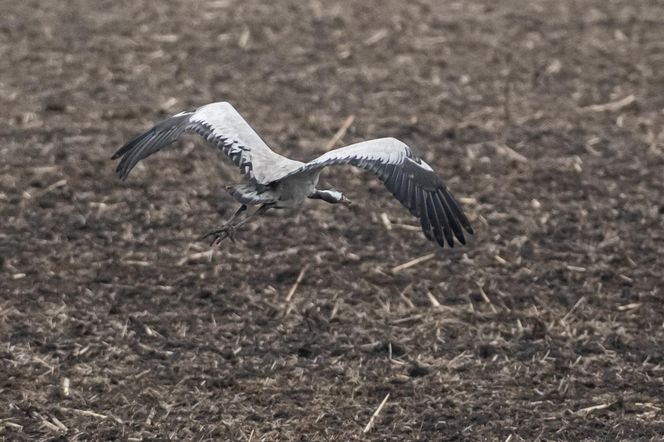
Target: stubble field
544, 118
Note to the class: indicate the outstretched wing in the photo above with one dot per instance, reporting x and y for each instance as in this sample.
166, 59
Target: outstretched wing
223, 127
411, 181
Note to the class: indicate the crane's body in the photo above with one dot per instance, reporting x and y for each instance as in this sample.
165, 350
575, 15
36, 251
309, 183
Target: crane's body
295, 189
274, 181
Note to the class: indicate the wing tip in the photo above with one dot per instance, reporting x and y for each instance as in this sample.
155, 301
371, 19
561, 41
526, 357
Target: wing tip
129, 145
457, 211
123, 168
121, 174
459, 236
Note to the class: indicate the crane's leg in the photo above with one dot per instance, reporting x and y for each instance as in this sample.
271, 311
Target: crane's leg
228, 229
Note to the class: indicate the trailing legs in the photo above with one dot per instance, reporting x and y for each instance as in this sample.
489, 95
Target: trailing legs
228, 229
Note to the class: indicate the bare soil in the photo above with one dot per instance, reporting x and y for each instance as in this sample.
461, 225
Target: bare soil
544, 117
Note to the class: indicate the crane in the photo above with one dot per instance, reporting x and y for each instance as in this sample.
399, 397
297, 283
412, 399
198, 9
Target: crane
274, 181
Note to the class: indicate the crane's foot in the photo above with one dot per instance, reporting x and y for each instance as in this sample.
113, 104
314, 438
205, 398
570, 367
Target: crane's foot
227, 231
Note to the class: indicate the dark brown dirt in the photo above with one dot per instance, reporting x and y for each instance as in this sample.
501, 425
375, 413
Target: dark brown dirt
116, 323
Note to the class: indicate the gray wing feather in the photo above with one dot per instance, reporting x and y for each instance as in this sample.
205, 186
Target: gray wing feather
410, 179
222, 126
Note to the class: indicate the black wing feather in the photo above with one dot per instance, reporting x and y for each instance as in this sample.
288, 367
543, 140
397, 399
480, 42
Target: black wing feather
144, 145
426, 197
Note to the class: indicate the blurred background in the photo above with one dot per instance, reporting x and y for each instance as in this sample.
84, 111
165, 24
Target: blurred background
544, 118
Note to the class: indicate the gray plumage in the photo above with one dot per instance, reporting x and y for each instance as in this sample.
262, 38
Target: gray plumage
276, 181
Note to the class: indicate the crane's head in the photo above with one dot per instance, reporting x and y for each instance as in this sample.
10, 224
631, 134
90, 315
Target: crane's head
331, 196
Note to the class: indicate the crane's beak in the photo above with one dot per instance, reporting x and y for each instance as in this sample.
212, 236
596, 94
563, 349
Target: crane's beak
345, 201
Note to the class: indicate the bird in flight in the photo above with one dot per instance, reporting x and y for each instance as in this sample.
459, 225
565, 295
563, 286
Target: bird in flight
274, 181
